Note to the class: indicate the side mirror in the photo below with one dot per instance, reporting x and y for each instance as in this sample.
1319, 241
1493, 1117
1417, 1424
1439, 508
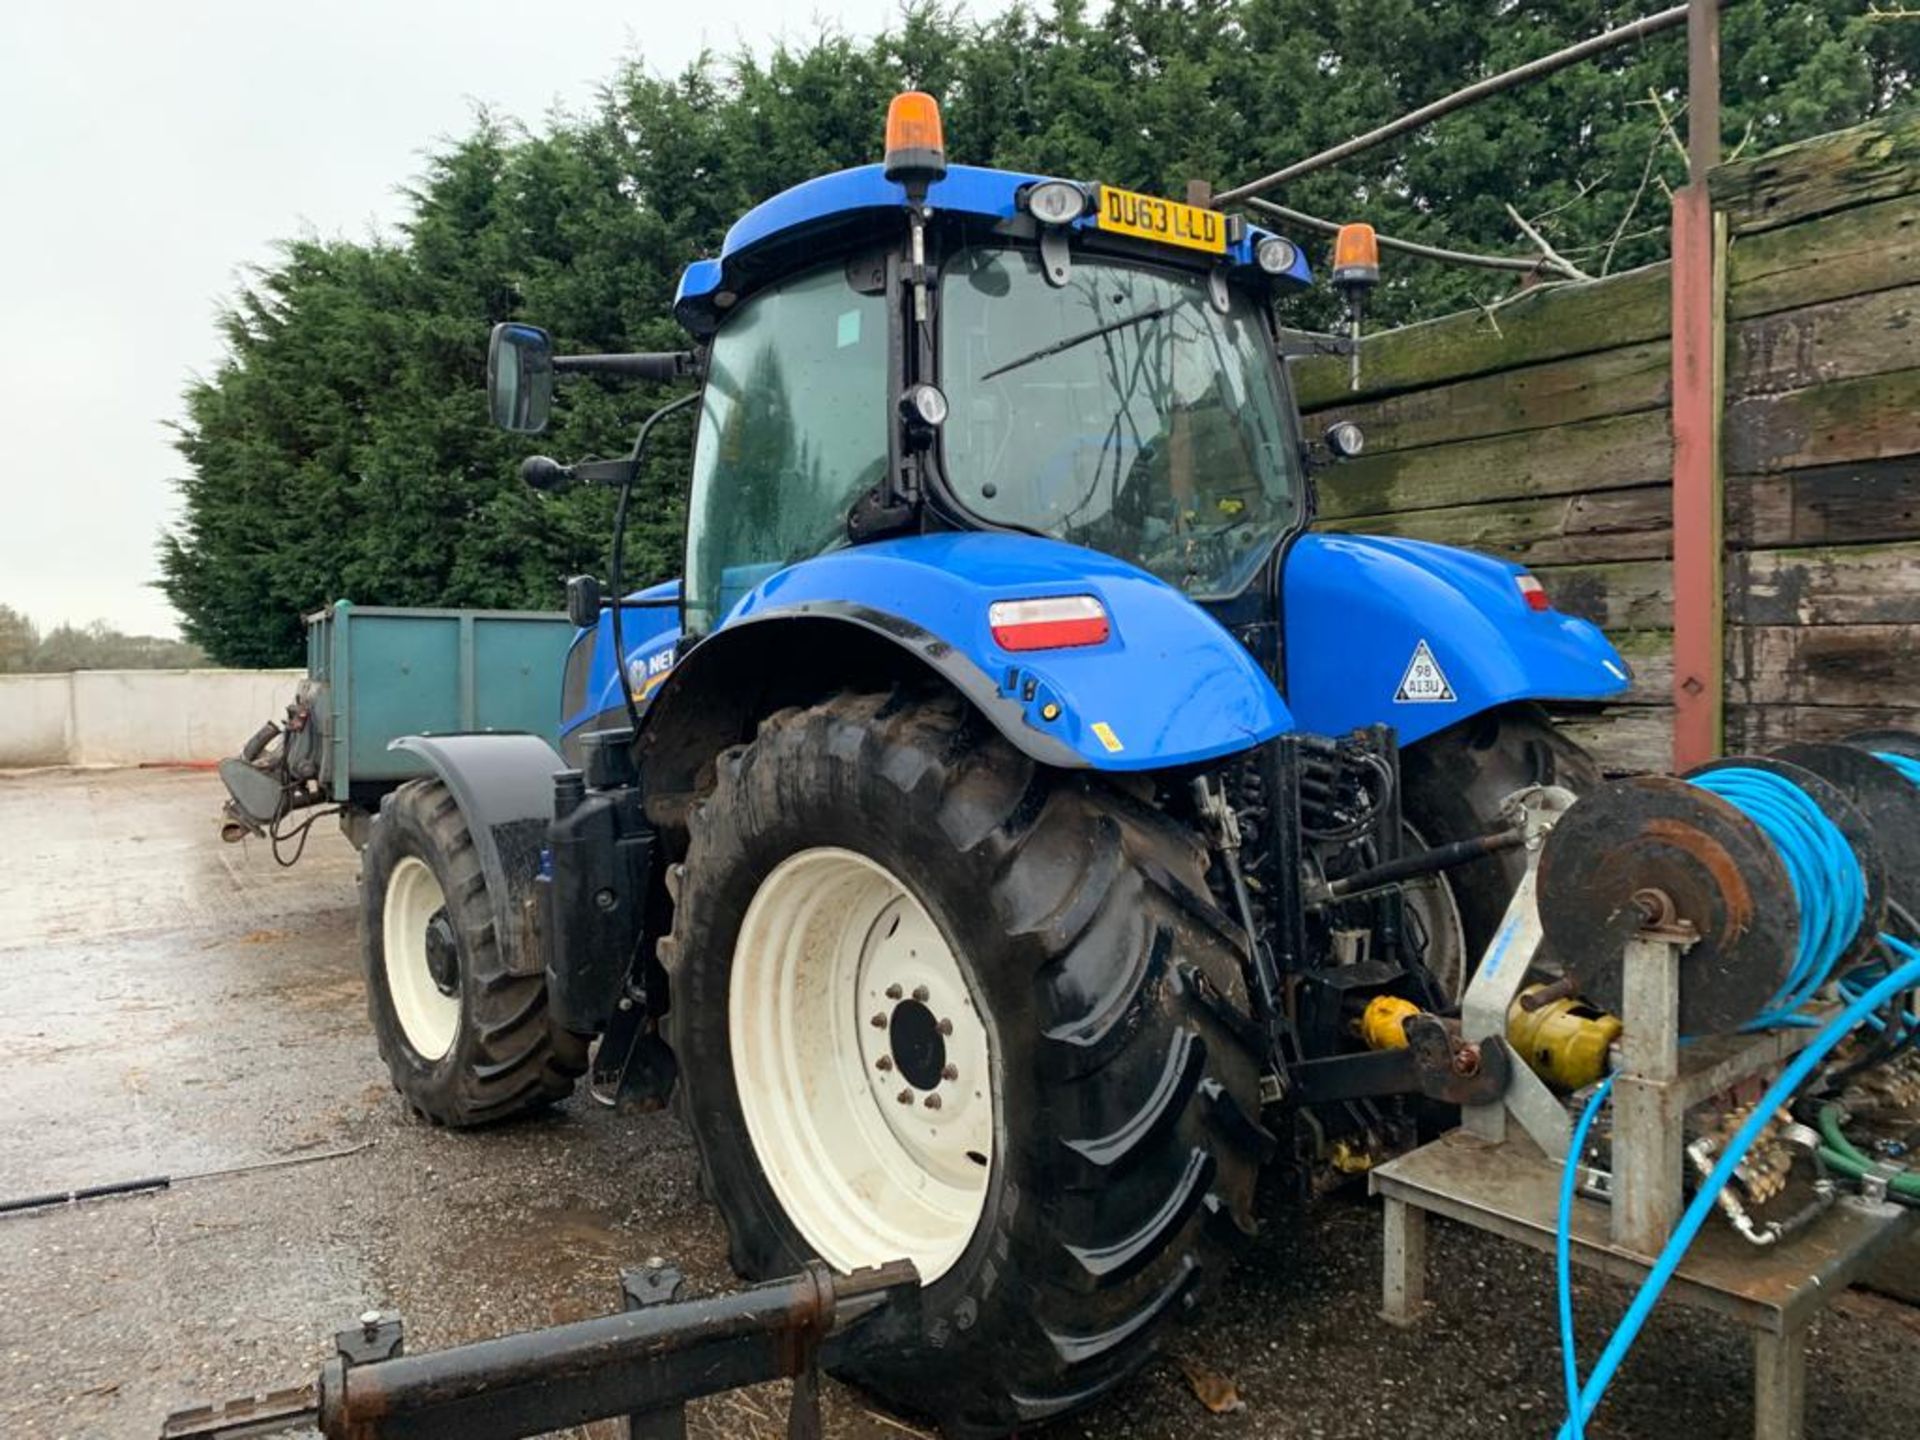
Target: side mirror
520, 377
583, 601
1345, 439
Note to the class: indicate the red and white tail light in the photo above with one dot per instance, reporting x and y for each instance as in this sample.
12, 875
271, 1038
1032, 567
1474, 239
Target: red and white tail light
1533, 592
1057, 622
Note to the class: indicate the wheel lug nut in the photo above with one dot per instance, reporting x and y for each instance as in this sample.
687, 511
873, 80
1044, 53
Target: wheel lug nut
894, 992
945, 1027
885, 1062
920, 993
905, 1097
932, 1102
950, 1072
879, 1022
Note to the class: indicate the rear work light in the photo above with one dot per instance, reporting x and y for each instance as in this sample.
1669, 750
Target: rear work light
1533, 592
1055, 623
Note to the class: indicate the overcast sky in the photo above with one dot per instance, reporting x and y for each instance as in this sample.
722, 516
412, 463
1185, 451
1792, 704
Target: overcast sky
149, 149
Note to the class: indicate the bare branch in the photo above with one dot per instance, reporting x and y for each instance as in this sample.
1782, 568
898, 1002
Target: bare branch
1528, 264
1747, 138
1561, 263
1646, 176
1666, 123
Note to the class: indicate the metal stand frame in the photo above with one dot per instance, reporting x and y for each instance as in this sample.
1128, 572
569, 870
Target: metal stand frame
1505, 1178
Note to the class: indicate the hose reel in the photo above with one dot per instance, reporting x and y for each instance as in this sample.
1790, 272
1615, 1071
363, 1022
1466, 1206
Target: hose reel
1655, 852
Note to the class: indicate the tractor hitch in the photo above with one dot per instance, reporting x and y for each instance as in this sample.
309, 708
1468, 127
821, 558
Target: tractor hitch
645, 1363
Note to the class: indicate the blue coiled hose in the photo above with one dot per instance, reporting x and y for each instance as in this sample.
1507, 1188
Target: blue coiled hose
1829, 888
1904, 764
1830, 893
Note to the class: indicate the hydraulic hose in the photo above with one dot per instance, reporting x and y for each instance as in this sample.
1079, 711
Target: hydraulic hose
1842, 1155
1905, 977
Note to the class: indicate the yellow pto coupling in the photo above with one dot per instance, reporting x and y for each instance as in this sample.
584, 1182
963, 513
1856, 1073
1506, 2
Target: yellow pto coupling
1383, 1022
1564, 1042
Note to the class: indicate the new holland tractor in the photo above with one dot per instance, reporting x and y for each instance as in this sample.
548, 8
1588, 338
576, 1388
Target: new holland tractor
1017, 826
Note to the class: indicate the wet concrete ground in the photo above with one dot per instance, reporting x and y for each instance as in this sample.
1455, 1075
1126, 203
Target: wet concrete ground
173, 1004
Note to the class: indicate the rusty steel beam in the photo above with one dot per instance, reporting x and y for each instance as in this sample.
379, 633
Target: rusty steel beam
645, 1360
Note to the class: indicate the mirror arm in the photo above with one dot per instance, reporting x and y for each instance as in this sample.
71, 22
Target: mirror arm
658, 365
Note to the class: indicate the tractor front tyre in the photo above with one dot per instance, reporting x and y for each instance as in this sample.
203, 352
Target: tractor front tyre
934, 1001
466, 1042
1454, 786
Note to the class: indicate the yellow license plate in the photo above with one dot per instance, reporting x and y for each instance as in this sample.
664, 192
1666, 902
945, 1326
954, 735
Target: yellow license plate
1168, 221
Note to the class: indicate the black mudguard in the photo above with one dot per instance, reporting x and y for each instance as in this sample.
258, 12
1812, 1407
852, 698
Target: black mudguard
504, 787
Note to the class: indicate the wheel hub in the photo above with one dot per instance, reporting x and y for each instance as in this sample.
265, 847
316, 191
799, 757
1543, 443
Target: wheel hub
443, 954
919, 1051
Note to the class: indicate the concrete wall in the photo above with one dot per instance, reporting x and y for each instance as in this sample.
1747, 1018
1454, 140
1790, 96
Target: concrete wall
136, 717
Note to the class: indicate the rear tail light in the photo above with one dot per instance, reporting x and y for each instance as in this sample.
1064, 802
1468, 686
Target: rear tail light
1055, 623
1533, 592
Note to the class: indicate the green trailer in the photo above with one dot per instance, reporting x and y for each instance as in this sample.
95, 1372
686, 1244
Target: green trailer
375, 673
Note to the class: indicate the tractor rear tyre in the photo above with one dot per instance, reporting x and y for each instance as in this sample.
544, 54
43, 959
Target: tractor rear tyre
466, 1042
1453, 786
932, 1000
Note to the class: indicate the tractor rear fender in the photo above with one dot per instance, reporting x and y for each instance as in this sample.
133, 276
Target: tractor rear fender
1420, 636
504, 787
1168, 686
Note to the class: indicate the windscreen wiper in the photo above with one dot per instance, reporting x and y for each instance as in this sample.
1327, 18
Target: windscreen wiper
1138, 318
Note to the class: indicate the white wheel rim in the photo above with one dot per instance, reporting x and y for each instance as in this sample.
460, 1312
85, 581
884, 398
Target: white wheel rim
429, 1018
832, 942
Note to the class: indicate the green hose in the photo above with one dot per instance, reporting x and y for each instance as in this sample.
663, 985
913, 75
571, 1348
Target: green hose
1844, 1157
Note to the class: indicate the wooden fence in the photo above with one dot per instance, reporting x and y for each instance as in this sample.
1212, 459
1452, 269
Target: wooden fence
1539, 430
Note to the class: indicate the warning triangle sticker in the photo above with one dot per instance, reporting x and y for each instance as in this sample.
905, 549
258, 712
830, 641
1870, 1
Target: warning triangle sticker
1425, 683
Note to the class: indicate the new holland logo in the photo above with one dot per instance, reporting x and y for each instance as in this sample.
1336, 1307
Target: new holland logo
1425, 683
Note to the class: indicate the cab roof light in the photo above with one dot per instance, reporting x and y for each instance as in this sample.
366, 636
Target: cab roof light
1356, 256
1057, 622
1533, 592
916, 148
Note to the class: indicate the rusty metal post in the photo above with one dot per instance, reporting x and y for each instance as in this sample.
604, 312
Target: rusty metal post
1699, 663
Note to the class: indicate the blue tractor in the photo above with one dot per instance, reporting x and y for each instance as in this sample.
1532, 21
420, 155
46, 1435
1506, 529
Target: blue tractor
1017, 826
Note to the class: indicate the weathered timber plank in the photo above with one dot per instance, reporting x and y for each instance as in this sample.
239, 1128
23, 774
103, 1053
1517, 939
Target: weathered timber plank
1649, 654
1627, 739
1614, 453
1754, 729
1824, 665
1619, 595
1818, 344
1870, 418
1825, 585
1559, 529
1534, 397
1547, 323
1871, 501
1852, 252
1875, 161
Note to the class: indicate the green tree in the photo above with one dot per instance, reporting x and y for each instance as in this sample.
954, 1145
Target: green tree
341, 448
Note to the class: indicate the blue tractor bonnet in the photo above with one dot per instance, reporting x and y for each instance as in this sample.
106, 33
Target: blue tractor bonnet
835, 201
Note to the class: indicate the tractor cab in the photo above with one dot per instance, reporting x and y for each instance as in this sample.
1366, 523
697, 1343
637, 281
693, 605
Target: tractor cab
913, 347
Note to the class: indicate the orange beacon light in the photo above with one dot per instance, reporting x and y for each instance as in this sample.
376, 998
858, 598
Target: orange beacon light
1356, 270
916, 149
